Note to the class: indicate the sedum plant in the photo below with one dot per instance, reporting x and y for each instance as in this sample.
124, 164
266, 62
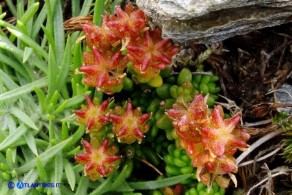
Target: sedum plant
209, 139
124, 39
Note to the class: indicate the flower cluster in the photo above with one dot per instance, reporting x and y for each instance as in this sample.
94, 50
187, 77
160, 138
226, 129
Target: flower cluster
127, 124
123, 38
209, 139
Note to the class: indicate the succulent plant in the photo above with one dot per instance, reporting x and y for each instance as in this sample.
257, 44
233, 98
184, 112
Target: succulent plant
129, 124
100, 161
209, 139
124, 44
126, 31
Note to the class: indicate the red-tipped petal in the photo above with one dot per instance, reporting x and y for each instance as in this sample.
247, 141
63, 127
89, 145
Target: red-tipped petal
174, 113
145, 63
102, 79
142, 119
115, 59
97, 55
86, 146
90, 123
115, 118
138, 133
104, 145
163, 58
120, 12
88, 69
82, 158
233, 120
237, 142
90, 166
201, 159
162, 43
217, 116
104, 119
104, 105
129, 108
122, 132
101, 169
80, 113
89, 101
110, 159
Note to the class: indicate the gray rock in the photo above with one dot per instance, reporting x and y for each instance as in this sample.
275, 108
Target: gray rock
284, 96
207, 21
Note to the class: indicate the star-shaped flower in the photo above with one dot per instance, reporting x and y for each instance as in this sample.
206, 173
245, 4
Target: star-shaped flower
129, 22
151, 51
99, 162
189, 117
94, 117
103, 70
130, 125
100, 37
218, 135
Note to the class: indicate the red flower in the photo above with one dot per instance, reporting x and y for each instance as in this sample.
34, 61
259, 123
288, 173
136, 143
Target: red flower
99, 162
129, 125
101, 37
103, 70
128, 23
151, 51
189, 117
94, 117
209, 139
218, 136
